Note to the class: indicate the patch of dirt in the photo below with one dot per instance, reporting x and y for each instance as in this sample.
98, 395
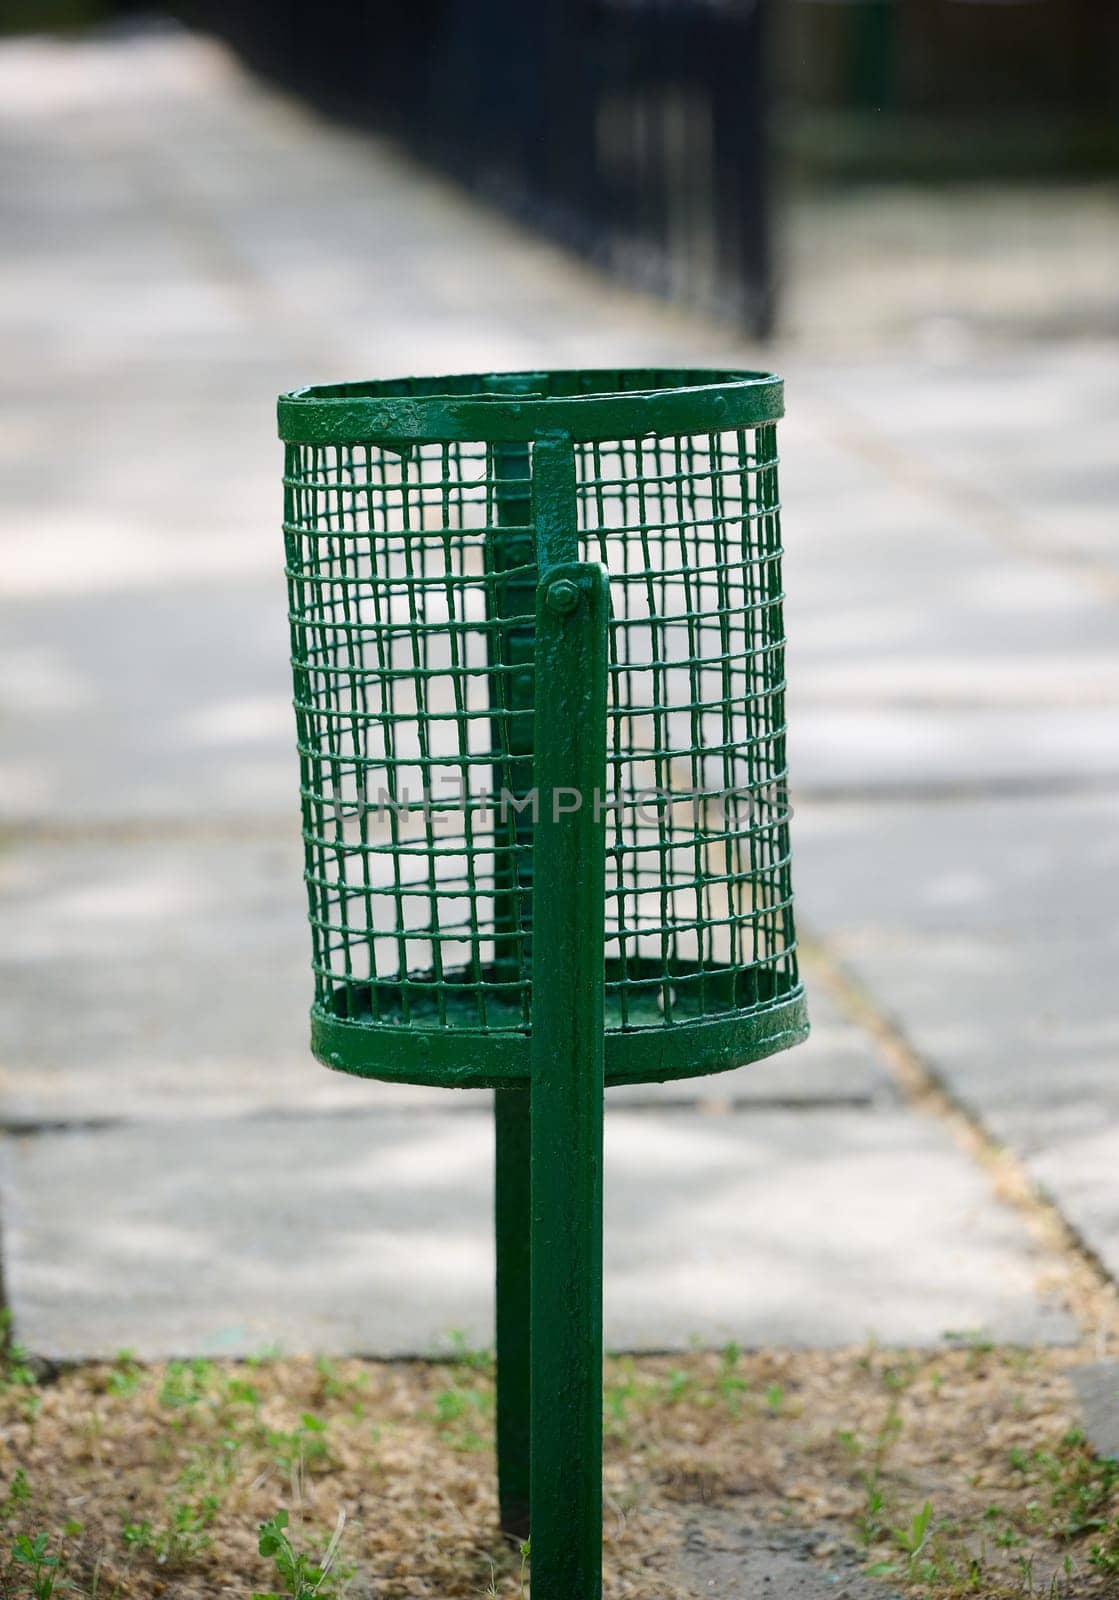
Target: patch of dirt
788, 1474
725, 1557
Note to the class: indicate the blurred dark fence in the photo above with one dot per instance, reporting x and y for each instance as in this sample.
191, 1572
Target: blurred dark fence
633, 131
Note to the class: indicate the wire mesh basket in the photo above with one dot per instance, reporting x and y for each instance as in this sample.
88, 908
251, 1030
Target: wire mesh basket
415, 526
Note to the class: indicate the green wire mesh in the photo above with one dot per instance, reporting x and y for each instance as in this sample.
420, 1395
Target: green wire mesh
412, 598
699, 901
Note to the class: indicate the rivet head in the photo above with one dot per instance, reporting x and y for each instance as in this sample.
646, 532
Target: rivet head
563, 596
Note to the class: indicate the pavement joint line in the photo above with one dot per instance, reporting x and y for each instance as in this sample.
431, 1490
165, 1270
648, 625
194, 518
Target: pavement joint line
38, 1127
1048, 698
274, 829
1091, 1294
966, 499
152, 830
708, 1106
1011, 787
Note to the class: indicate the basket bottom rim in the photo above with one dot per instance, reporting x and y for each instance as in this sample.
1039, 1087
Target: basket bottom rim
415, 1032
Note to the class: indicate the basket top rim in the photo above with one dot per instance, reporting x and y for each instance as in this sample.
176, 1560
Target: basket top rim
606, 403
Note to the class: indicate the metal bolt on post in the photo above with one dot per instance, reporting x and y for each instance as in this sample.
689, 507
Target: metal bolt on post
538, 658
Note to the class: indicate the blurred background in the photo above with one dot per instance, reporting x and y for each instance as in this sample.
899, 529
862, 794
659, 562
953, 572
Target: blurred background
910, 208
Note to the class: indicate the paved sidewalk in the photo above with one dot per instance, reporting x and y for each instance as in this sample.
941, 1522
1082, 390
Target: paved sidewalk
178, 246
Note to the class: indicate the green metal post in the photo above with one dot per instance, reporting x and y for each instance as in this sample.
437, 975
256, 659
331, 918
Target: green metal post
567, 1048
511, 560
512, 1190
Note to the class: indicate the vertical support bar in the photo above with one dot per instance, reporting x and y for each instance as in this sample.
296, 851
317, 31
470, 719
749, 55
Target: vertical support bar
510, 562
511, 601
567, 1080
512, 1210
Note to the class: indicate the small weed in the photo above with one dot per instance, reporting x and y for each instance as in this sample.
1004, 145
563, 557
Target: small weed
870, 1525
1025, 1566
299, 1576
329, 1382
17, 1376
899, 1375
979, 1347
210, 1468
457, 1410
464, 1354
124, 1378
43, 1569
185, 1384
911, 1540
1082, 1496
677, 1386
942, 1570
237, 1393
264, 1357
335, 1388
619, 1391
888, 1434
180, 1539
730, 1383
16, 1371
492, 1591
18, 1495
775, 1398
306, 1445
137, 1535
1083, 1487
183, 1533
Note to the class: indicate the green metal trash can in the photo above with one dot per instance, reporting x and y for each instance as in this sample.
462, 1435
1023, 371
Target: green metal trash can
538, 657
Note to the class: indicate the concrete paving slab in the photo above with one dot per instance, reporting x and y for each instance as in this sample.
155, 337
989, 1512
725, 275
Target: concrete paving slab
151, 703
1097, 1388
1024, 431
1078, 1171
372, 1234
1030, 867
987, 932
1026, 1035
921, 749
952, 660
169, 977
